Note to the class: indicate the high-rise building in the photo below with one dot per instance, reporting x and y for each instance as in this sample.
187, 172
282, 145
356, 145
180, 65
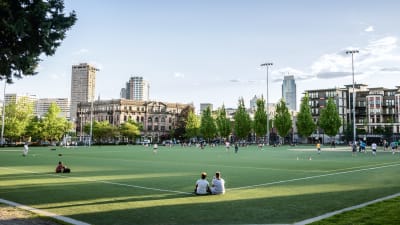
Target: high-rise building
83, 86
136, 89
289, 92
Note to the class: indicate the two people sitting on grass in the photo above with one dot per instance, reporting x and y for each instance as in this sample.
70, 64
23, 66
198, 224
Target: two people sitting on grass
203, 186
61, 168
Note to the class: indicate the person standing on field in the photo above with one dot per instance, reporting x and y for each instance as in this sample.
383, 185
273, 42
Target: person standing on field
26, 149
373, 147
318, 147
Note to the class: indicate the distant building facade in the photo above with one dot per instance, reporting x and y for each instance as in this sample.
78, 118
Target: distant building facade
157, 118
289, 92
43, 104
375, 107
83, 86
136, 89
203, 106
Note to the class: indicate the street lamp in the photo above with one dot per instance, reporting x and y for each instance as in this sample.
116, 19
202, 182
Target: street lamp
4, 112
352, 52
268, 64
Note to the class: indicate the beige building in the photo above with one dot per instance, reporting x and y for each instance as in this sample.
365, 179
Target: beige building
157, 118
43, 104
83, 86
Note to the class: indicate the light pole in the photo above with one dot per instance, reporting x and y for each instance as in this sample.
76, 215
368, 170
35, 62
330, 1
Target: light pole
352, 52
4, 112
268, 64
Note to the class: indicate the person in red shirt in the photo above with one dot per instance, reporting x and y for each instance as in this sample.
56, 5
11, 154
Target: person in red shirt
60, 167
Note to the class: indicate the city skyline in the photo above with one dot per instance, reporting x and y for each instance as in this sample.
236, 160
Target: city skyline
210, 52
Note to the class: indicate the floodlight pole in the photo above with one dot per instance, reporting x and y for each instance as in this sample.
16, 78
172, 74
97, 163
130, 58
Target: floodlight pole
4, 112
268, 64
352, 52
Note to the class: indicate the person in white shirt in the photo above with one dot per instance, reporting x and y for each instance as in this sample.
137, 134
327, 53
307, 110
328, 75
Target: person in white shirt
373, 147
26, 149
218, 184
202, 185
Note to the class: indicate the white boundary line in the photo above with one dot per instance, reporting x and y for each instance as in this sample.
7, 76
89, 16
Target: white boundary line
307, 221
101, 181
326, 215
312, 177
44, 213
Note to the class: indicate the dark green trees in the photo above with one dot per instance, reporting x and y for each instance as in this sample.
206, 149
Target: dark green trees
283, 120
223, 123
29, 29
305, 123
260, 119
329, 120
242, 121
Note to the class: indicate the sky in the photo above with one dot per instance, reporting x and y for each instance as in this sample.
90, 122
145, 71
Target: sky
210, 51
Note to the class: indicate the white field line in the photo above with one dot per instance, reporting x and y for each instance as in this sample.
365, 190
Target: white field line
100, 181
313, 177
43, 213
326, 215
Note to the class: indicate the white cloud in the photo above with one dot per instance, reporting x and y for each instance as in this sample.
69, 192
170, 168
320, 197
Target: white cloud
179, 75
372, 58
369, 29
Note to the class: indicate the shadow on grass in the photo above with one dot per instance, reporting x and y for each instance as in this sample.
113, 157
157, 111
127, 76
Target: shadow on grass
287, 209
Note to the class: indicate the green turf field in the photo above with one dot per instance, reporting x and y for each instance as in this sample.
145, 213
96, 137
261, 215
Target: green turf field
132, 185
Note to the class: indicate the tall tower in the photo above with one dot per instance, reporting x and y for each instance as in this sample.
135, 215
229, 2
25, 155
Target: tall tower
289, 92
136, 89
83, 86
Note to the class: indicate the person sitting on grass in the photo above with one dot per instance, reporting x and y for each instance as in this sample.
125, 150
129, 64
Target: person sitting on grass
202, 185
217, 184
61, 168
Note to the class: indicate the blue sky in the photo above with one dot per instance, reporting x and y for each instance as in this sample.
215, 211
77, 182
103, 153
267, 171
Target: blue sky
210, 51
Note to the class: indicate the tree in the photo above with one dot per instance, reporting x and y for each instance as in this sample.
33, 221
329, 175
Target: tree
223, 123
260, 119
129, 129
101, 131
18, 117
283, 120
192, 125
29, 29
180, 129
207, 125
52, 126
329, 119
242, 121
305, 123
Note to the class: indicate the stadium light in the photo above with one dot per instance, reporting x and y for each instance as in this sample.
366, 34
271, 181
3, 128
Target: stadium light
268, 64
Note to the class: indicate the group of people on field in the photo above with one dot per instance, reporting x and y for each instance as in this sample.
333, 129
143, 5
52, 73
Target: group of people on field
203, 187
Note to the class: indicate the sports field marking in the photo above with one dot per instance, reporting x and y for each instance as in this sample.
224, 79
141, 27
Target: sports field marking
312, 177
326, 215
100, 181
43, 213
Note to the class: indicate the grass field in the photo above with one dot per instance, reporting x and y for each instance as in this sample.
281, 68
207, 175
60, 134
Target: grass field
132, 185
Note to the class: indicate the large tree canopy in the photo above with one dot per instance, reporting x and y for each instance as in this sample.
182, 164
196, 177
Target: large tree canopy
29, 28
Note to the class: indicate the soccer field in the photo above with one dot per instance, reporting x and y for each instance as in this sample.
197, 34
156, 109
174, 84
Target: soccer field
133, 185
